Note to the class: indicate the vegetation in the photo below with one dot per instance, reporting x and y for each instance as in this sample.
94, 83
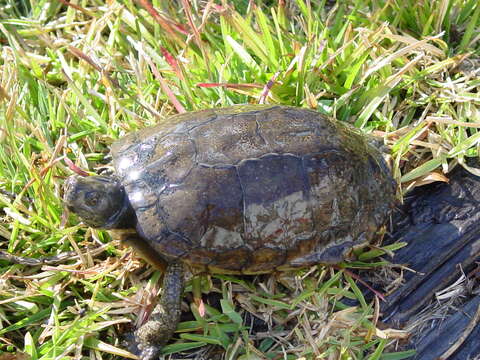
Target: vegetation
77, 75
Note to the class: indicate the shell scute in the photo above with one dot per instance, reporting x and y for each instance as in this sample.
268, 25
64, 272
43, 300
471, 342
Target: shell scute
239, 136
206, 211
277, 210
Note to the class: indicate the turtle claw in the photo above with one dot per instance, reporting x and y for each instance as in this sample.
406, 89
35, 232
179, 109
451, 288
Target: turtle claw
142, 350
150, 352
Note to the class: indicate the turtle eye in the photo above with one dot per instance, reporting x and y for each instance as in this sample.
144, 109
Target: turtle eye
91, 198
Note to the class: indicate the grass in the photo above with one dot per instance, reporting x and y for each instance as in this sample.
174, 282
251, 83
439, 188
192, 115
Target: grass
74, 78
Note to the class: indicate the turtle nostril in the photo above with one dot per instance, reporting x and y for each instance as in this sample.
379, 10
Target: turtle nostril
71, 181
70, 189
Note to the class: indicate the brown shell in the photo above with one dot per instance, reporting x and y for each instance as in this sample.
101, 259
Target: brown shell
254, 188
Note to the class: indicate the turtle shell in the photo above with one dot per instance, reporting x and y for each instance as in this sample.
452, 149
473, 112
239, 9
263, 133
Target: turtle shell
254, 188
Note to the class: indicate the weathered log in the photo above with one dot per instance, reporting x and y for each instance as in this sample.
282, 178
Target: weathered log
454, 338
441, 224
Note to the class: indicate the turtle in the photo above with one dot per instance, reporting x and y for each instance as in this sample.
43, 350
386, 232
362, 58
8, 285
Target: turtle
246, 189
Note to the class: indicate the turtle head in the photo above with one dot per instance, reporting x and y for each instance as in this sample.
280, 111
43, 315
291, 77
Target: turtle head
100, 201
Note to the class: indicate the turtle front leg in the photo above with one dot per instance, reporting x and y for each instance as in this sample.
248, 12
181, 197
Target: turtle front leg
159, 328
130, 238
